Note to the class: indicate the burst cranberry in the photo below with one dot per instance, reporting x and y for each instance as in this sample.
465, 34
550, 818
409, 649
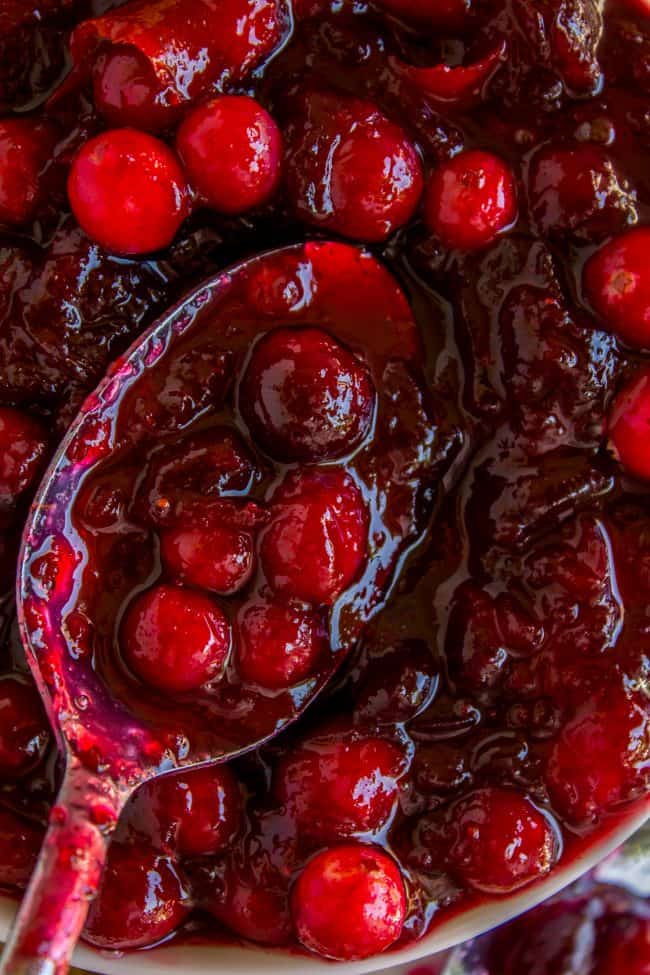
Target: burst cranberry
350, 169
126, 90
333, 787
232, 151
24, 732
499, 840
140, 901
617, 283
23, 448
220, 560
623, 946
316, 542
629, 425
279, 644
128, 191
174, 639
597, 759
305, 397
470, 200
349, 902
198, 811
26, 147
399, 684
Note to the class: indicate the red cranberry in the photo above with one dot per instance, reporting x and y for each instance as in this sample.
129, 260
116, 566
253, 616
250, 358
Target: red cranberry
333, 787
174, 639
316, 542
597, 760
141, 899
349, 902
617, 283
629, 425
20, 842
306, 397
399, 684
128, 192
198, 810
220, 560
26, 148
254, 906
499, 840
470, 199
126, 90
23, 448
623, 946
232, 151
279, 645
24, 732
350, 169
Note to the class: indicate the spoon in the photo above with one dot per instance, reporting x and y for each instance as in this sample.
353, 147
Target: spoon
113, 734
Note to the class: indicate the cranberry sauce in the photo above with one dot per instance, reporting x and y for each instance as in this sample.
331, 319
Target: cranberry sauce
422, 448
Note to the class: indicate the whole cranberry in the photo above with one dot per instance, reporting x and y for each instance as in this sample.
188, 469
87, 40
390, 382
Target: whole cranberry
349, 902
252, 904
26, 148
499, 840
623, 946
23, 450
126, 91
628, 425
232, 152
198, 811
335, 786
217, 559
616, 281
128, 191
316, 542
306, 397
470, 200
140, 901
174, 639
24, 732
597, 759
279, 644
350, 169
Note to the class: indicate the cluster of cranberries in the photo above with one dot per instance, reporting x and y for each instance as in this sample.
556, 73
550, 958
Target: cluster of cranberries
496, 158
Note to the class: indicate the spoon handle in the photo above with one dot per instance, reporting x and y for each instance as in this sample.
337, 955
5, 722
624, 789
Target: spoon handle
67, 875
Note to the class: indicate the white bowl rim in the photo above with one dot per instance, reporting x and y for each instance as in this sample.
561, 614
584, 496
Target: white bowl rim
190, 959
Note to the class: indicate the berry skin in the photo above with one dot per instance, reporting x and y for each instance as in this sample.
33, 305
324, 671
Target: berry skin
23, 450
629, 425
349, 902
20, 842
232, 152
279, 645
470, 199
334, 787
616, 282
24, 732
174, 639
128, 191
199, 811
126, 91
140, 901
499, 841
306, 397
26, 147
219, 560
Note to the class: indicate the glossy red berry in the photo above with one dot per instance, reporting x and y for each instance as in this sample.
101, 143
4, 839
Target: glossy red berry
26, 149
334, 786
316, 542
629, 425
141, 899
174, 639
232, 152
126, 91
24, 731
23, 451
198, 811
220, 560
305, 396
617, 284
128, 191
349, 902
499, 840
470, 200
279, 644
